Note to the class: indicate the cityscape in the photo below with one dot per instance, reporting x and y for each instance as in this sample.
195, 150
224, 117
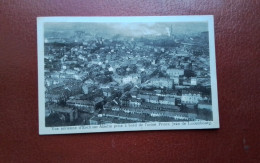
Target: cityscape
104, 73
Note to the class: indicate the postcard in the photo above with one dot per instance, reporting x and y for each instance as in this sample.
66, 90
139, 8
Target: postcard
111, 74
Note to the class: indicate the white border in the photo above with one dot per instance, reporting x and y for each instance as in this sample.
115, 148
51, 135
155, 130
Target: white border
127, 127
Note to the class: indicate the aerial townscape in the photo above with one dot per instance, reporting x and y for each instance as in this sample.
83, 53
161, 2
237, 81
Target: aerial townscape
94, 78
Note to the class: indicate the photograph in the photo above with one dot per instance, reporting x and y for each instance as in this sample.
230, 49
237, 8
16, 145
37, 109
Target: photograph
113, 74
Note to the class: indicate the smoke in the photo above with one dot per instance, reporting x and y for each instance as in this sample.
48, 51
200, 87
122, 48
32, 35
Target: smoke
128, 29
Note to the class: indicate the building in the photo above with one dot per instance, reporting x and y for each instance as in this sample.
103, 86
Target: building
68, 113
133, 78
89, 82
124, 101
190, 97
84, 105
133, 94
71, 72
54, 81
157, 99
135, 102
107, 92
193, 81
123, 115
53, 97
204, 105
154, 99
144, 97
147, 105
186, 65
98, 101
117, 78
100, 120
182, 54
167, 100
175, 79
161, 82
174, 72
107, 106
80, 76
87, 88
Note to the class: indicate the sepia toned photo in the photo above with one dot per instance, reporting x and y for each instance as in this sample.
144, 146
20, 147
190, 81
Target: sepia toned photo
107, 74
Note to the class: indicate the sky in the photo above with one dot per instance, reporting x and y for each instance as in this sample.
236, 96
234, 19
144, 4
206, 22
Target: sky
128, 29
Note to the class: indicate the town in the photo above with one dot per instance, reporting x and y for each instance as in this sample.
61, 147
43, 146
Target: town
92, 79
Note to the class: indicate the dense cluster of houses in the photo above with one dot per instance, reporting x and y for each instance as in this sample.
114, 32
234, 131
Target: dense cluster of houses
126, 81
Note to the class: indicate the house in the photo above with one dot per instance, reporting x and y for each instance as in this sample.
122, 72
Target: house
186, 82
134, 94
74, 88
176, 79
84, 105
54, 94
204, 105
186, 65
117, 78
174, 72
88, 88
135, 102
190, 97
154, 99
107, 92
71, 72
123, 115
161, 82
52, 81
168, 100
107, 106
100, 120
115, 108
80, 76
124, 101
190, 81
158, 106
182, 53
89, 82
77, 97
133, 78
193, 81
144, 97
94, 121
69, 114
53, 97
98, 102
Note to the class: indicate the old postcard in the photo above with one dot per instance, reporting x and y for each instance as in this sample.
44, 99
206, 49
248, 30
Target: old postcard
108, 74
